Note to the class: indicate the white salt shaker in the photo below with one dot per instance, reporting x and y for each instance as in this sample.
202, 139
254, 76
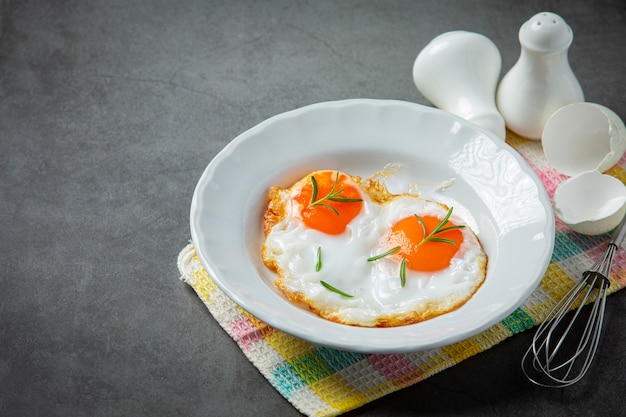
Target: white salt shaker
542, 81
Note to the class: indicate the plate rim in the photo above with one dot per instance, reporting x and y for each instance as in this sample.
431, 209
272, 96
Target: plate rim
229, 148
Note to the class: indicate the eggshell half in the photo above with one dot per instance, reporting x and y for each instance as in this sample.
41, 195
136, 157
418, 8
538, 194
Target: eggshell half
590, 203
582, 137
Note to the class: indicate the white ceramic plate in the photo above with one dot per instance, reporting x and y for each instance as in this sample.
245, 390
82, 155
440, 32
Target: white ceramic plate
494, 190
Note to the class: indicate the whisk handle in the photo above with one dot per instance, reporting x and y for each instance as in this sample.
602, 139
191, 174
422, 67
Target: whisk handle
619, 233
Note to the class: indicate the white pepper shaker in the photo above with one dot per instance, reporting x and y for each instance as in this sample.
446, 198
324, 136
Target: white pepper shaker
542, 81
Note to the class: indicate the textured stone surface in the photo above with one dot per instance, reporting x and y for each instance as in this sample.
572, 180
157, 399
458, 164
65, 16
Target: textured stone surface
110, 111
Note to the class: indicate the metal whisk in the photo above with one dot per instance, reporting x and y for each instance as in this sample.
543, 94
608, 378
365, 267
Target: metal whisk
565, 344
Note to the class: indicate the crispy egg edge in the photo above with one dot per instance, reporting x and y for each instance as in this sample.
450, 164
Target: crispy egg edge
276, 211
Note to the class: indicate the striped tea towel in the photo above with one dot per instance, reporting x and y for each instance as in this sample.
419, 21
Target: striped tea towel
320, 381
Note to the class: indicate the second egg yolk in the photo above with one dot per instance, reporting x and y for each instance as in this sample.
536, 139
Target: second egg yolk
325, 211
422, 255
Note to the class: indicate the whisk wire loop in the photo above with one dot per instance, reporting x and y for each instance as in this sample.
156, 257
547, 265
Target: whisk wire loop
551, 360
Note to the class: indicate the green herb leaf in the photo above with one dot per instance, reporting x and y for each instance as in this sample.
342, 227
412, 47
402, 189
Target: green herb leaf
315, 189
334, 195
403, 272
439, 229
382, 255
318, 263
328, 206
421, 222
342, 199
442, 240
333, 289
445, 229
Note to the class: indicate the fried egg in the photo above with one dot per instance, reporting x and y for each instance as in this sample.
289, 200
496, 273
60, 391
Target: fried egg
355, 254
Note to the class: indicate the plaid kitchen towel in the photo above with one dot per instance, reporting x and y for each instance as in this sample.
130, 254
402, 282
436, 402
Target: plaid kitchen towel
320, 381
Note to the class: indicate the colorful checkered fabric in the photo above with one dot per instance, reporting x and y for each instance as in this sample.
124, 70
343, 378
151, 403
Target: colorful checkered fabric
320, 381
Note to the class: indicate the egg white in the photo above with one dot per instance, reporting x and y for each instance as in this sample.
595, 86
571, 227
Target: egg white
378, 298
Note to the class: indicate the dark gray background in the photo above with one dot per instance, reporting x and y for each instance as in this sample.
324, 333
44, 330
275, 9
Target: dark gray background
109, 112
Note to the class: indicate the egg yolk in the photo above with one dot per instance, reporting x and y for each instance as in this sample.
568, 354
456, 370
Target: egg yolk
326, 211
420, 254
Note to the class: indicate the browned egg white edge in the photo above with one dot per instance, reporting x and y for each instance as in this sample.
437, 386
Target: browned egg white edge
375, 188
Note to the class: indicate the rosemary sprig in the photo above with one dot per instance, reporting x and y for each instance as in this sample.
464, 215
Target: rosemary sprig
333, 289
439, 229
318, 262
430, 238
334, 195
382, 255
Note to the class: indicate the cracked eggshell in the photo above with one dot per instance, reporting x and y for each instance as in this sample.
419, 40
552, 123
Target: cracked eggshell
590, 203
582, 137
